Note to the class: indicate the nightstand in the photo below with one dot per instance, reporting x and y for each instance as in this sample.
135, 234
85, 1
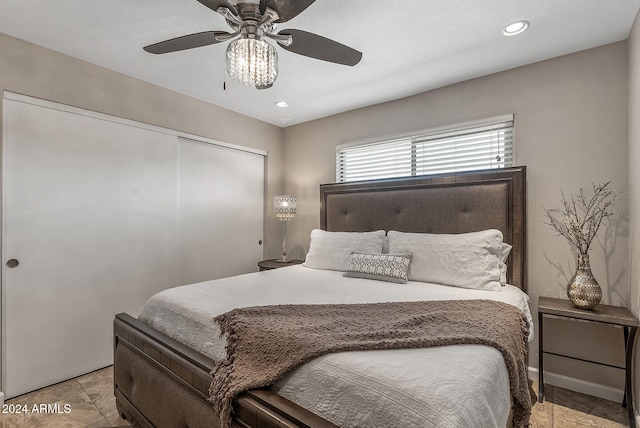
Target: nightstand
606, 314
275, 264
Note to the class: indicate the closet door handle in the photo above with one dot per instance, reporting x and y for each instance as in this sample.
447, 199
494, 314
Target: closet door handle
11, 263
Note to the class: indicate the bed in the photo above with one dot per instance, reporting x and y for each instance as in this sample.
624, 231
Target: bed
162, 363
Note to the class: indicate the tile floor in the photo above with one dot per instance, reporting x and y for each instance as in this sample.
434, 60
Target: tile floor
91, 404
563, 408
89, 398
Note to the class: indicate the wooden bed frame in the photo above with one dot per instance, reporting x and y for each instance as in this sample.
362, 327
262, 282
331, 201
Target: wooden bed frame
161, 382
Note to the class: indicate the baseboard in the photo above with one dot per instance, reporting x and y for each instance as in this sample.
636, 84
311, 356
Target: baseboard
573, 384
1, 398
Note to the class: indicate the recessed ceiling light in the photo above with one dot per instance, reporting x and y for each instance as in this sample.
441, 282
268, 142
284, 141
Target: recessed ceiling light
282, 104
515, 28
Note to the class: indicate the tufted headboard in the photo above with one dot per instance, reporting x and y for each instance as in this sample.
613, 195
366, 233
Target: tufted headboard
443, 203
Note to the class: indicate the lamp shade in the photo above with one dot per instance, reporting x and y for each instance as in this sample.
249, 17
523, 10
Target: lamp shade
252, 62
284, 207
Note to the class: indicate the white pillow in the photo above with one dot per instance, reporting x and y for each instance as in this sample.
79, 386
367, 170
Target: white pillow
469, 260
385, 245
504, 254
331, 250
505, 249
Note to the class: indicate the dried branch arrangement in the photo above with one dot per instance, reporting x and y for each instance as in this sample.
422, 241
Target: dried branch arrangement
581, 216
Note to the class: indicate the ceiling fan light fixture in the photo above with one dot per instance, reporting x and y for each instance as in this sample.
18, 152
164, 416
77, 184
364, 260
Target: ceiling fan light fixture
252, 61
515, 28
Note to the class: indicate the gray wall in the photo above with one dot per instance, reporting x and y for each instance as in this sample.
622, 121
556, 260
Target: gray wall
634, 179
32, 70
571, 131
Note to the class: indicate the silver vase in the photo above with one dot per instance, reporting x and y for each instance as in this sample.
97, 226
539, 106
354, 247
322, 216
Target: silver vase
583, 290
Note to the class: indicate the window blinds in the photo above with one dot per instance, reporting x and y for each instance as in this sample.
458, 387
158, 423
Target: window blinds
480, 145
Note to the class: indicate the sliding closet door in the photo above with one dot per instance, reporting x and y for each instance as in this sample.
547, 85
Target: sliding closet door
220, 211
99, 214
89, 218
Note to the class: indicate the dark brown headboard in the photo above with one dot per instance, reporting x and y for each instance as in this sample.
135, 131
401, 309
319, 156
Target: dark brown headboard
443, 203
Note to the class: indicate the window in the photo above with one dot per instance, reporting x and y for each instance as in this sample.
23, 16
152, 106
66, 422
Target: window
466, 147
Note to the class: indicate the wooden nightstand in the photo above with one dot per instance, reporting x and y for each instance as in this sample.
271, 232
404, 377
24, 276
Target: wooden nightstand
606, 314
275, 264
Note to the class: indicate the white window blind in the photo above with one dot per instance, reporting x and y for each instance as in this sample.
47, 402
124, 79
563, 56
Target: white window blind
479, 145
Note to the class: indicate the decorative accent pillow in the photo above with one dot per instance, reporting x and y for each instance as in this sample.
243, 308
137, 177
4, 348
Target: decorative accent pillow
331, 250
383, 267
468, 260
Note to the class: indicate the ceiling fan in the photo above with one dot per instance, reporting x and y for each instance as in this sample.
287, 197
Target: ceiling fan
250, 59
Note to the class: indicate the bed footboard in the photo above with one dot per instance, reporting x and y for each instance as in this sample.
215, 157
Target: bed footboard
160, 382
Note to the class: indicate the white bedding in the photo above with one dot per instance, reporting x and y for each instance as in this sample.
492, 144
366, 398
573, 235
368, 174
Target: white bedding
453, 386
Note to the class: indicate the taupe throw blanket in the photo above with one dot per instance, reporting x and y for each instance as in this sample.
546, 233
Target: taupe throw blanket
266, 342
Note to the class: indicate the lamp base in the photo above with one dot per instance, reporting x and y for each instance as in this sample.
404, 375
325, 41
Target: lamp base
283, 259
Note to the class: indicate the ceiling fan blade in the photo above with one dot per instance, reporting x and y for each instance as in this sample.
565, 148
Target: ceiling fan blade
215, 4
189, 41
315, 46
287, 9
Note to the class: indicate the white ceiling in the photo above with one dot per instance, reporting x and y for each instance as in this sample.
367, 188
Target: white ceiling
408, 46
